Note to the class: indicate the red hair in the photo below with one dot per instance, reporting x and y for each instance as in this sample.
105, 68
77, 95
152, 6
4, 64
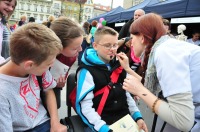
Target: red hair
94, 23
152, 28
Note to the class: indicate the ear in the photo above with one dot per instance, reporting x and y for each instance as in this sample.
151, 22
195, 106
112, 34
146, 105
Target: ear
142, 39
28, 64
94, 45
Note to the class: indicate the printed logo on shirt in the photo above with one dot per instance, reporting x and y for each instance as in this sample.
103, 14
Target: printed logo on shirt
30, 96
46, 83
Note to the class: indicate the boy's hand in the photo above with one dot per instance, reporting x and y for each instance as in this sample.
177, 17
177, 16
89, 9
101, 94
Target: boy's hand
61, 82
58, 128
142, 125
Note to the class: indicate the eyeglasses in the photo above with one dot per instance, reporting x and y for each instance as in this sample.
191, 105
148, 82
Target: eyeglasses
109, 46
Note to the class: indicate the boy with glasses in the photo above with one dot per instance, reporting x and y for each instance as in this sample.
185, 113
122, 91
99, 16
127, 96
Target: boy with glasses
100, 101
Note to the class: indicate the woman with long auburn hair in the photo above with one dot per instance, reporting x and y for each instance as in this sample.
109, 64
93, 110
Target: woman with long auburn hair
171, 69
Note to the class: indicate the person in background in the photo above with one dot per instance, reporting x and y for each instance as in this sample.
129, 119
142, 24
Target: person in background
14, 26
6, 41
31, 19
33, 49
71, 36
178, 78
195, 38
93, 76
22, 20
168, 27
51, 18
94, 25
124, 32
7, 8
86, 41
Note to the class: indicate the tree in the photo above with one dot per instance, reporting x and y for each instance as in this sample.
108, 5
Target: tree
80, 2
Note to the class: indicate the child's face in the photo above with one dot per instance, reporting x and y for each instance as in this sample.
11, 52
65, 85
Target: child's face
44, 66
7, 7
73, 48
106, 47
196, 36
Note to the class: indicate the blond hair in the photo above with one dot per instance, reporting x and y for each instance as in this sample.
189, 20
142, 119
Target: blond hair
104, 31
23, 17
33, 42
51, 18
66, 30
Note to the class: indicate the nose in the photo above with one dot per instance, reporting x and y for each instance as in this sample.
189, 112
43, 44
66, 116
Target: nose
10, 8
80, 49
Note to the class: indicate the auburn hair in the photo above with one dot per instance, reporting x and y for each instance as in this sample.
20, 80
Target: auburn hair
152, 28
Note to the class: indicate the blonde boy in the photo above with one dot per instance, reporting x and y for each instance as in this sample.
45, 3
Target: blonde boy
33, 49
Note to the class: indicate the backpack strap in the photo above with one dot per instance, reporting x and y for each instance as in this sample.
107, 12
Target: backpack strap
42, 93
114, 77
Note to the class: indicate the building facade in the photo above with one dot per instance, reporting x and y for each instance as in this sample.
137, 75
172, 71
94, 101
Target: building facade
130, 3
88, 10
39, 9
71, 10
100, 9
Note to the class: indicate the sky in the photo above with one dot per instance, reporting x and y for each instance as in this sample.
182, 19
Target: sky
116, 3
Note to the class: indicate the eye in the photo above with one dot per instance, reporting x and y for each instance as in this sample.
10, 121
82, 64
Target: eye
107, 46
115, 45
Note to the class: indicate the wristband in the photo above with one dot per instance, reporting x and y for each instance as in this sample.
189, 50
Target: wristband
154, 104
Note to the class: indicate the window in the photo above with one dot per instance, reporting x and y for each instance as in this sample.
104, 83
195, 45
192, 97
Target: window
22, 5
28, 15
28, 7
35, 16
41, 17
48, 10
86, 9
35, 7
41, 9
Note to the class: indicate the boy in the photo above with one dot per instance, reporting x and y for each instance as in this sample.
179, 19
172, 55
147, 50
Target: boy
93, 75
33, 49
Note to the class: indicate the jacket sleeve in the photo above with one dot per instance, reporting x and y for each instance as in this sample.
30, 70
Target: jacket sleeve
85, 86
122, 32
135, 112
179, 111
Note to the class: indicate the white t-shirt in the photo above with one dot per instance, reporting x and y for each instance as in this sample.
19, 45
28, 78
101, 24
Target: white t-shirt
20, 105
178, 68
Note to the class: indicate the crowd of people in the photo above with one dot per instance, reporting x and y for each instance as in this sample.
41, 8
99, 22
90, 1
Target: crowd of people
143, 61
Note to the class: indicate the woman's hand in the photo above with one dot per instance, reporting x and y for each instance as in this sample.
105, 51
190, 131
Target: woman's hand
133, 85
123, 59
142, 125
61, 81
